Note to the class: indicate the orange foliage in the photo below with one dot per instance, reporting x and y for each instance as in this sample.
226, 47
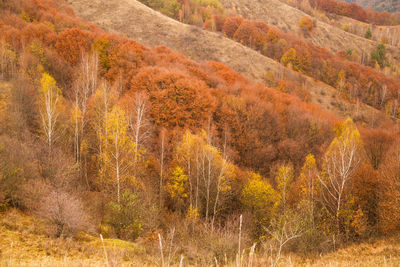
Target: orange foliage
306, 24
353, 10
312, 60
176, 98
71, 43
231, 25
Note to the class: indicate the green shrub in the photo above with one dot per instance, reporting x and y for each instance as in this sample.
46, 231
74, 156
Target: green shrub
368, 34
126, 216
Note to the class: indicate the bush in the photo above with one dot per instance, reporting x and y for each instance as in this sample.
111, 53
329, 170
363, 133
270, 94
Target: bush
231, 25
65, 212
126, 216
306, 24
378, 54
368, 34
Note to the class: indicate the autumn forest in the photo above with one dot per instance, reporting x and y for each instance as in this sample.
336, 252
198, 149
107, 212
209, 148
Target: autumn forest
147, 156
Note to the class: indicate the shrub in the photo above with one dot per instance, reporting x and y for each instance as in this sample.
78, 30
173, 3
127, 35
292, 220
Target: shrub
126, 216
306, 24
346, 27
378, 55
65, 212
368, 34
231, 25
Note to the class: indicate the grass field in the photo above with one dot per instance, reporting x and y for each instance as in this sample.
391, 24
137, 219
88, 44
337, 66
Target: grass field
24, 242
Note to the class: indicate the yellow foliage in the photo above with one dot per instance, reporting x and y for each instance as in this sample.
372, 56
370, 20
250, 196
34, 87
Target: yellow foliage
176, 185
260, 198
192, 214
118, 151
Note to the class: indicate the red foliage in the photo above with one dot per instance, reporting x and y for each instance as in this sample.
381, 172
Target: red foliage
231, 25
353, 10
224, 72
250, 35
176, 98
312, 60
71, 43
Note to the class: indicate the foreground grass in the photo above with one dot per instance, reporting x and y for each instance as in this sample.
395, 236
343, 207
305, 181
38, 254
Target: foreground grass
382, 252
24, 242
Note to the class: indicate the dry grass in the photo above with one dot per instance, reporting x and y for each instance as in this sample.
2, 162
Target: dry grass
23, 242
328, 35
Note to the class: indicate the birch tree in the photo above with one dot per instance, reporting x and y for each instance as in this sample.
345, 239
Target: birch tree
119, 151
139, 125
50, 101
341, 161
85, 87
209, 173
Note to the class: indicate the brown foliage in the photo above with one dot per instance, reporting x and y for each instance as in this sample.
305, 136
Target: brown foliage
71, 43
64, 211
306, 24
176, 99
231, 25
389, 205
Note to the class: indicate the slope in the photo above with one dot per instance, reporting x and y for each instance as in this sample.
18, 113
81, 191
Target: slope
151, 28
324, 34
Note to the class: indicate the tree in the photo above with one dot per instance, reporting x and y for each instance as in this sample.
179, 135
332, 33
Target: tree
231, 25
176, 185
340, 163
118, 152
126, 216
50, 100
290, 59
378, 54
306, 24
308, 183
260, 198
208, 170
368, 33
64, 211
341, 81
139, 125
7, 61
85, 87
283, 179
389, 199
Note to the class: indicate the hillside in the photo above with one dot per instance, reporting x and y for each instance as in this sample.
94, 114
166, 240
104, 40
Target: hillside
380, 5
154, 29
128, 138
324, 34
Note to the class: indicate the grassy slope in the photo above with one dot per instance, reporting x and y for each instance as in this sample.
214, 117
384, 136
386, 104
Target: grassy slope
151, 28
23, 242
325, 35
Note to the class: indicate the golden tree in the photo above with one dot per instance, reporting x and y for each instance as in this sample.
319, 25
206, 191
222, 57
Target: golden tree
119, 151
341, 161
50, 101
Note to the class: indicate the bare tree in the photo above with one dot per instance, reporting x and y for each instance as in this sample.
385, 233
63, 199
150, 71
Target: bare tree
7, 61
282, 230
162, 136
138, 122
85, 87
382, 95
64, 211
